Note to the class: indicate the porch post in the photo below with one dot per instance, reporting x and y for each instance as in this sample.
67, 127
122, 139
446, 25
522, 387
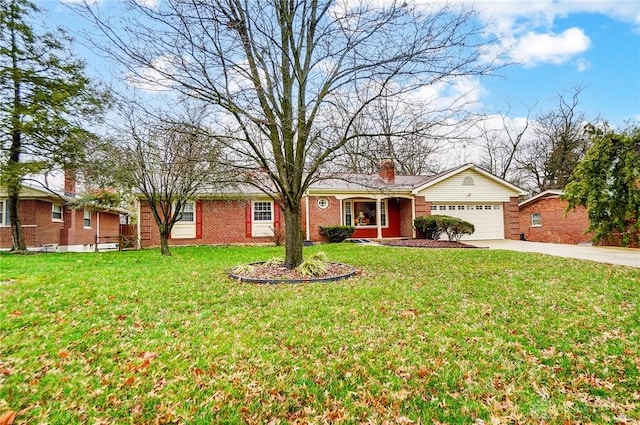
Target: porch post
378, 218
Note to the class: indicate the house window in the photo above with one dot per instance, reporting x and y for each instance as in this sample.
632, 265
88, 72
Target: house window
434, 207
187, 213
4, 213
536, 220
452, 207
348, 215
262, 211
442, 207
87, 219
460, 207
56, 212
468, 181
323, 203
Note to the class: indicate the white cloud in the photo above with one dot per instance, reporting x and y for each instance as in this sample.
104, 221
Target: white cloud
152, 77
527, 29
534, 48
583, 65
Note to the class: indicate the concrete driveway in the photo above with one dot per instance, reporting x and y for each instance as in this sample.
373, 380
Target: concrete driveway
609, 255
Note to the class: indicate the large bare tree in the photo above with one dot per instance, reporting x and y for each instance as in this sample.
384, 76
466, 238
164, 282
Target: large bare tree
282, 73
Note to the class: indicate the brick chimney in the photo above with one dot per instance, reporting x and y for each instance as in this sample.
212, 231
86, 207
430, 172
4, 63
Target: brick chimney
387, 171
69, 182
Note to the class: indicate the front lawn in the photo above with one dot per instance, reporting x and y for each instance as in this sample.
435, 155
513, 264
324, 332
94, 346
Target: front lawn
421, 335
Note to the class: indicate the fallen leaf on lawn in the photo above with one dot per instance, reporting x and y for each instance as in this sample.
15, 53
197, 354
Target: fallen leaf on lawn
15, 313
149, 355
63, 354
8, 418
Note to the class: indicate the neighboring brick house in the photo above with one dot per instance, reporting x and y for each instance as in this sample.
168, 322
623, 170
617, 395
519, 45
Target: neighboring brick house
381, 205
543, 218
48, 222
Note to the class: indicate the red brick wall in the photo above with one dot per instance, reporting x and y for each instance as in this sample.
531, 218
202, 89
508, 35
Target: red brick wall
423, 208
555, 226
37, 227
511, 219
223, 222
74, 227
329, 216
46, 231
109, 224
406, 224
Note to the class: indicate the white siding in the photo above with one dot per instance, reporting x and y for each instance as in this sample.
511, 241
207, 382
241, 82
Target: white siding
452, 190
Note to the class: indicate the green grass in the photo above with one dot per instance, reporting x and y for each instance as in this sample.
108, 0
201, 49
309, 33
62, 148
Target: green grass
452, 336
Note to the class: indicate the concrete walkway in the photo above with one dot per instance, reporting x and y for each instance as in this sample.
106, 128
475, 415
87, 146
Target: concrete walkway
609, 255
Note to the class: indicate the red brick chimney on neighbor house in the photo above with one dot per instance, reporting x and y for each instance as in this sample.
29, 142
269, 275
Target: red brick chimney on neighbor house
387, 171
69, 182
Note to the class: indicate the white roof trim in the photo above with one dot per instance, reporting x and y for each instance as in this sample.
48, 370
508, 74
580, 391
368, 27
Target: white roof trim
544, 194
466, 167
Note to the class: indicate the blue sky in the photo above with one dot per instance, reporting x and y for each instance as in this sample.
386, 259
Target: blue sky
557, 45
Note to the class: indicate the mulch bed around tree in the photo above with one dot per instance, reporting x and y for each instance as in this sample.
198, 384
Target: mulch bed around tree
426, 243
274, 273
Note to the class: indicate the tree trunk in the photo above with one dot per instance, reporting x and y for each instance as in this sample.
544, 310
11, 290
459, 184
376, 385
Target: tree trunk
164, 243
17, 240
293, 231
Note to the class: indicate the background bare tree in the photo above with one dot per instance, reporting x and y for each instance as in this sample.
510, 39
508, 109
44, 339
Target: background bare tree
282, 73
413, 134
560, 143
500, 141
167, 161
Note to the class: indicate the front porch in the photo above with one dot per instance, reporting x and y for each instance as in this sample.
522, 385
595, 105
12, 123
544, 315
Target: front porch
379, 218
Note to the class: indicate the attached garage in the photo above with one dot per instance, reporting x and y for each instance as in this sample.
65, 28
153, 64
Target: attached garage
487, 218
476, 196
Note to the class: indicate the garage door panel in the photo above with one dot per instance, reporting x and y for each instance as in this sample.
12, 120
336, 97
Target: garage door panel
486, 218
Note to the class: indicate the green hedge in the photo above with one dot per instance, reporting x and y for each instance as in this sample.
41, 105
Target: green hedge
433, 226
337, 233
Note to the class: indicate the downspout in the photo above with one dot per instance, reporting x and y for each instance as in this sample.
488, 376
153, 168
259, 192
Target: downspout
306, 215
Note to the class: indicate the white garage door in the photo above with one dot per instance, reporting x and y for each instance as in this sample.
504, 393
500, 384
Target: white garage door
487, 218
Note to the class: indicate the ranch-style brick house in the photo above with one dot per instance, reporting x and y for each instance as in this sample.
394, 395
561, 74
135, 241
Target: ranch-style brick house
381, 205
49, 223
